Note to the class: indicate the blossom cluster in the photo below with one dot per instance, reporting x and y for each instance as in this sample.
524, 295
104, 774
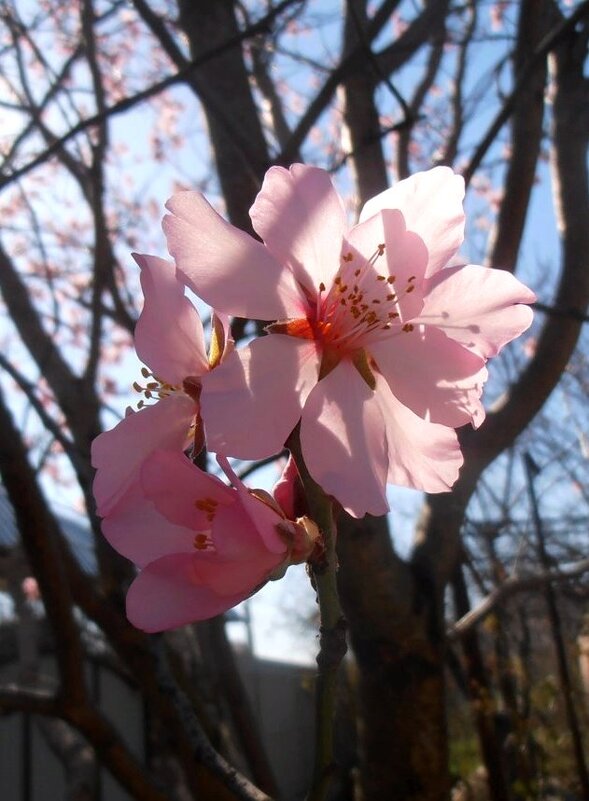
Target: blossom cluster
374, 350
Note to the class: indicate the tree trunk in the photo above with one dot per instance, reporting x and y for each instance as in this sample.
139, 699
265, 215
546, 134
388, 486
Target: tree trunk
399, 648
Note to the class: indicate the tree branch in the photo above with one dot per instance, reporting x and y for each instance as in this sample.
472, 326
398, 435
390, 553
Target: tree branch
512, 586
262, 25
547, 45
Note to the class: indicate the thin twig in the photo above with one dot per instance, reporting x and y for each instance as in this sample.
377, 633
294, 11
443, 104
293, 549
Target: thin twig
511, 586
332, 632
546, 46
130, 102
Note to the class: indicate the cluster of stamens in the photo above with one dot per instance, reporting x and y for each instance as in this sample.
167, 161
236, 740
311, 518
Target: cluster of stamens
156, 388
370, 299
209, 506
202, 540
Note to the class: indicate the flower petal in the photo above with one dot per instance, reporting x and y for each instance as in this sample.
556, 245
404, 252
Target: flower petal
119, 453
139, 532
343, 441
183, 493
478, 307
301, 219
169, 593
404, 259
263, 519
287, 489
252, 401
431, 203
422, 455
226, 267
433, 375
169, 336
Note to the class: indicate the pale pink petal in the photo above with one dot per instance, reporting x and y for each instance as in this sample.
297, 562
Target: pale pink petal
431, 203
226, 267
167, 594
249, 530
343, 441
246, 574
263, 519
422, 455
404, 259
287, 488
252, 401
433, 375
137, 531
169, 337
301, 219
478, 307
177, 489
119, 453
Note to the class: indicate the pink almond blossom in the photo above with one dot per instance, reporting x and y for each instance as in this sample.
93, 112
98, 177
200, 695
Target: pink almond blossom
202, 546
380, 347
169, 339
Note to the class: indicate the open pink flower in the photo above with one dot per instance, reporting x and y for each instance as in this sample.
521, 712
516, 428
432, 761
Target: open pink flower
169, 339
378, 351
202, 546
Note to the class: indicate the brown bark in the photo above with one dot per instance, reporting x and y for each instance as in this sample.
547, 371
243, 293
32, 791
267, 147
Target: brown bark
480, 696
230, 686
237, 139
395, 632
361, 115
526, 136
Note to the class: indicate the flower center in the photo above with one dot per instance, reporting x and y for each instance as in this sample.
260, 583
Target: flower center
158, 389
360, 302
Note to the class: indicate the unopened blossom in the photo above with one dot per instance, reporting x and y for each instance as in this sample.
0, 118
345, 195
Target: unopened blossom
201, 546
379, 348
169, 340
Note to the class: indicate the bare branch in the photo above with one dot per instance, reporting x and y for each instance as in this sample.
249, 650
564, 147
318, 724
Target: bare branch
128, 103
511, 586
547, 45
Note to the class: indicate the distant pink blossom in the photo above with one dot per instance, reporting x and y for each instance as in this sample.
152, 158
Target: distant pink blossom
30, 588
169, 339
378, 350
202, 546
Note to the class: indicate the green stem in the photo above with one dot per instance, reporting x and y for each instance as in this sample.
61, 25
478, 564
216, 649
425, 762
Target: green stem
332, 631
